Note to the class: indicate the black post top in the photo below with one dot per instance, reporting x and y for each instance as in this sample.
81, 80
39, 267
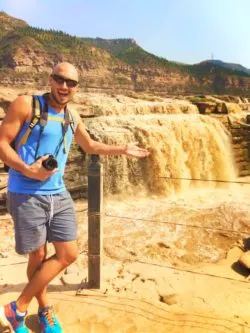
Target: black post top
95, 158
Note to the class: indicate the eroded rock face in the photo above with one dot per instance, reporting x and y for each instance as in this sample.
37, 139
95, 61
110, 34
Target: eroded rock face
100, 70
220, 107
206, 107
5, 101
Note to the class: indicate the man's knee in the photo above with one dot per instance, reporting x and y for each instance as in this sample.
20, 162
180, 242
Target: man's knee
68, 258
66, 252
38, 256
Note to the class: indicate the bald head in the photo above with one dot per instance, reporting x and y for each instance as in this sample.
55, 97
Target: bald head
67, 70
64, 84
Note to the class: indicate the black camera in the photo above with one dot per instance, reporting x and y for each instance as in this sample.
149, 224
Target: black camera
50, 163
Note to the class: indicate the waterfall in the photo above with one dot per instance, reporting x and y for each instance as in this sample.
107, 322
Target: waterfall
189, 146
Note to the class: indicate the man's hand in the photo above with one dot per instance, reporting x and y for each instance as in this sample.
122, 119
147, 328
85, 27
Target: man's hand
37, 171
132, 150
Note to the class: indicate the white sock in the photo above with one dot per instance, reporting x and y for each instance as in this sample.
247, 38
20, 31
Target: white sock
21, 314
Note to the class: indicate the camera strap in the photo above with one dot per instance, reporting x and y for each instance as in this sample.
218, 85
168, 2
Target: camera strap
43, 121
65, 124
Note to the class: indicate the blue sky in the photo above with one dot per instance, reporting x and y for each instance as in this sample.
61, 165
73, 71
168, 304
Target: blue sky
187, 31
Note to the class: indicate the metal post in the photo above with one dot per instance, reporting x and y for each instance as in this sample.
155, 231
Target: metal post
95, 199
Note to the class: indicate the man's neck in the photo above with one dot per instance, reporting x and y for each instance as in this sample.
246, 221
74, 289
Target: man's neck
53, 103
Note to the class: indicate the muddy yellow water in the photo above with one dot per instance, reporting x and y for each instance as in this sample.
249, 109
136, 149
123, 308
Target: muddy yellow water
183, 147
183, 203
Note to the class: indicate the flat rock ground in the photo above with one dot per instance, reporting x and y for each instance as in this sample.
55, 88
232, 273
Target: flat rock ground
169, 265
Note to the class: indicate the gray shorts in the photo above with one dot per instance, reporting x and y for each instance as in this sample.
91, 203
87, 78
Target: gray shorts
41, 218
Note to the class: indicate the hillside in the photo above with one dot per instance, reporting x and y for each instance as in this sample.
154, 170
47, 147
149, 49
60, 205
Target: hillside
232, 66
8, 23
27, 55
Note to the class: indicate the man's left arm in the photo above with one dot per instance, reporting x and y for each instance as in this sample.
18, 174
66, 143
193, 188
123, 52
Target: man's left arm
91, 146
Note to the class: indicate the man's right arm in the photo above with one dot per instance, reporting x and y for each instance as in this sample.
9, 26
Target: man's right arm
19, 111
16, 115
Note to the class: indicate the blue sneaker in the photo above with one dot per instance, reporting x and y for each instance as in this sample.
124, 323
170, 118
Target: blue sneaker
9, 318
48, 321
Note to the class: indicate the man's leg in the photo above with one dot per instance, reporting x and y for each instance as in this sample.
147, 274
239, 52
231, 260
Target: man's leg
61, 228
66, 253
36, 258
29, 213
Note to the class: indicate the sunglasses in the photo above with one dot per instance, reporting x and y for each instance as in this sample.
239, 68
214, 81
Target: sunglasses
60, 80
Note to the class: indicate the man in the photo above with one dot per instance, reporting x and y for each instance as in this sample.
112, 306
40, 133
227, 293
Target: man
41, 208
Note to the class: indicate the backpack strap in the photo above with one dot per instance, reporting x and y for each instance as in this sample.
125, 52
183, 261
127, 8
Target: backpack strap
68, 121
36, 111
65, 126
43, 122
72, 122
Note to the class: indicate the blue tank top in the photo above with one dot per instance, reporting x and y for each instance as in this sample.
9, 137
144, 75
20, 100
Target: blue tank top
49, 142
